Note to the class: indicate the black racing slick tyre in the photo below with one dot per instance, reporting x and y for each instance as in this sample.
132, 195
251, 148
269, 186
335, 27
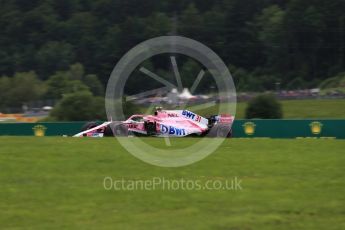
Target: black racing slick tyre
150, 128
108, 132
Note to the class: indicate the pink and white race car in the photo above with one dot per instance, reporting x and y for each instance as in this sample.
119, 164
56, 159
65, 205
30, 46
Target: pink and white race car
164, 123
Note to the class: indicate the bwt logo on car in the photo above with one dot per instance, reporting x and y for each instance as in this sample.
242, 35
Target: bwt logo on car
191, 115
188, 114
173, 130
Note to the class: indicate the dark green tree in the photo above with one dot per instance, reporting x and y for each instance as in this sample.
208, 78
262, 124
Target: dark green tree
61, 83
5, 87
264, 106
94, 84
79, 106
20, 89
54, 56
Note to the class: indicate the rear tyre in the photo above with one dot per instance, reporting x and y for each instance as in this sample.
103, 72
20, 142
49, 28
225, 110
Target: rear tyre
150, 128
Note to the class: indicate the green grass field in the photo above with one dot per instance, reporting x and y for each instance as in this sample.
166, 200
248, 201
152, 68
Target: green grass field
314, 109
57, 183
296, 109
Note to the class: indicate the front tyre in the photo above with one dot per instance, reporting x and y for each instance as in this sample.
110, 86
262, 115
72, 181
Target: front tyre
88, 126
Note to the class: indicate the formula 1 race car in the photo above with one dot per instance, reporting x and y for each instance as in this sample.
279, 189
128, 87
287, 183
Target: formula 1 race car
164, 123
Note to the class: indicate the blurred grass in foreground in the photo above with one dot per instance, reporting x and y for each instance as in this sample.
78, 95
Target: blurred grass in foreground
57, 183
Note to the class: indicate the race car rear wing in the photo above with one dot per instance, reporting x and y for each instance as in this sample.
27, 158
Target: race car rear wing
222, 118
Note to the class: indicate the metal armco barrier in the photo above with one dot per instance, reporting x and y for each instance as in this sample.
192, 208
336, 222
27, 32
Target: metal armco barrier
256, 128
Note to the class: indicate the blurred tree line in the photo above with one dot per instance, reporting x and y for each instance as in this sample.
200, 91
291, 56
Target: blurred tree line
298, 43
62, 86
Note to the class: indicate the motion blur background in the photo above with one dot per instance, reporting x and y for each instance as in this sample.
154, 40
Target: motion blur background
287, 59
58, 55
